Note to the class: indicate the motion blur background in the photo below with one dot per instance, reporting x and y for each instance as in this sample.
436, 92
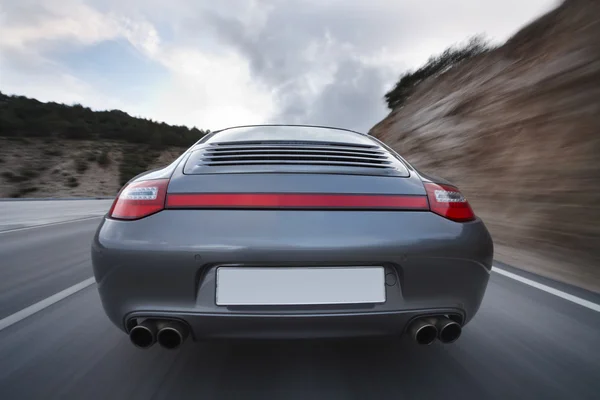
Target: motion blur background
502, 98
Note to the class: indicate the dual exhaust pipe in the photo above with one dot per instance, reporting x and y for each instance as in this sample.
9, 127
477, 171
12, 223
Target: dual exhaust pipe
169, 334
426, 330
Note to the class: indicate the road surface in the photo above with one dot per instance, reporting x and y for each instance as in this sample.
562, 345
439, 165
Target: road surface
19, 214
525, 343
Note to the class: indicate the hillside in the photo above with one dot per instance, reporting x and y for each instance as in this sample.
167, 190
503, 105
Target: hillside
56, 150
517, 128
73, 168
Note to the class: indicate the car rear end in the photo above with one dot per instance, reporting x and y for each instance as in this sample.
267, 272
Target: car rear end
289, 233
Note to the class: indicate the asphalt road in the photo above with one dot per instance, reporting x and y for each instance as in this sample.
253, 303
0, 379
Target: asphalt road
523, 344
18, 214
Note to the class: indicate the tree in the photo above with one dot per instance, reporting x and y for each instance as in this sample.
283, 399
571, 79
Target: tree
22, 116
435, 66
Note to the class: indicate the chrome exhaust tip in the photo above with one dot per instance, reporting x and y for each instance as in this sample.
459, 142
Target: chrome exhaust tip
143, 335
172, 334
448, 331
423, 331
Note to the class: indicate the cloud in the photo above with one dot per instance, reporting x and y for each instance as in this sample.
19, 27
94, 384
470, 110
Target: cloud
215, 64
30, 23
331, 61
350, 100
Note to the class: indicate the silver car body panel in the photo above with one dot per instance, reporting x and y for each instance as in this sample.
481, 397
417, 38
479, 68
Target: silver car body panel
164, 265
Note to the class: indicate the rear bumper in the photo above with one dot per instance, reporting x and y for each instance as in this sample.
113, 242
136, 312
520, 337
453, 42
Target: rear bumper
164, 266
296, 326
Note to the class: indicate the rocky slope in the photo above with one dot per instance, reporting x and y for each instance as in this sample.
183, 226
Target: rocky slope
73, 168
518, 129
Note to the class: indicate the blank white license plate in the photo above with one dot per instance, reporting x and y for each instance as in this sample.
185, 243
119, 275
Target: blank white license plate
299, 286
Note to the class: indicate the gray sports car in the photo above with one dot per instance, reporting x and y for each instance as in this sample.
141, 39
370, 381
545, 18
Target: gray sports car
289, 231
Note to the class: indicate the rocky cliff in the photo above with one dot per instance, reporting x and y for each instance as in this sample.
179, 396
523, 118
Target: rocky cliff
518, 130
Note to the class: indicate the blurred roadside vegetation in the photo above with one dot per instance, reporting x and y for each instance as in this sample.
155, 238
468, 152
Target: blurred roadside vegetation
27, 118
435, 66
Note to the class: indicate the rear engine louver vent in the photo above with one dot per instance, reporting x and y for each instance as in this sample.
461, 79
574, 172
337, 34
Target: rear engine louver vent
293, 157
295, 153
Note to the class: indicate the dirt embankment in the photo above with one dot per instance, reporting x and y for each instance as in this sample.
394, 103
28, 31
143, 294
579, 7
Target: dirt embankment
73, 168
518, 129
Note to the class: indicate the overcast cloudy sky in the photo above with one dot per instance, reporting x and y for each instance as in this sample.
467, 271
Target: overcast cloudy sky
218, 63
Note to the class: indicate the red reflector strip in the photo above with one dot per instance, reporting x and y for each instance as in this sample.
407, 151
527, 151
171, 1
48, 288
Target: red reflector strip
296, 200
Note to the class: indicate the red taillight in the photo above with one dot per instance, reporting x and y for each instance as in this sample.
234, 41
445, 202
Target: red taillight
297, 201
448, 202
140, 199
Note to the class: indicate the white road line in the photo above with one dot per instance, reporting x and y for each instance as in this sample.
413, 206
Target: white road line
32, 309
51, 224
548, 289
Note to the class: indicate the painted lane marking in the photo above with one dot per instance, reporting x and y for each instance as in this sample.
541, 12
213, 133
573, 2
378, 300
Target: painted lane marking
51, 224
40, 305
548, 289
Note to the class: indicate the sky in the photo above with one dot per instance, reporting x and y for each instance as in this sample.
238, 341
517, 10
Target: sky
214, 64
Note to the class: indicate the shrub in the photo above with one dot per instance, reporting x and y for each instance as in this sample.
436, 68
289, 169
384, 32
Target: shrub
29, 173
135, 162
18, 139
103, 158
53, 152
27, 190
91, 156
81, 166
23, 191
9, 176
72, 182
25, 175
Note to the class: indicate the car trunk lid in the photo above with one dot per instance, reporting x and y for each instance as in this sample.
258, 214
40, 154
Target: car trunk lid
295, 174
